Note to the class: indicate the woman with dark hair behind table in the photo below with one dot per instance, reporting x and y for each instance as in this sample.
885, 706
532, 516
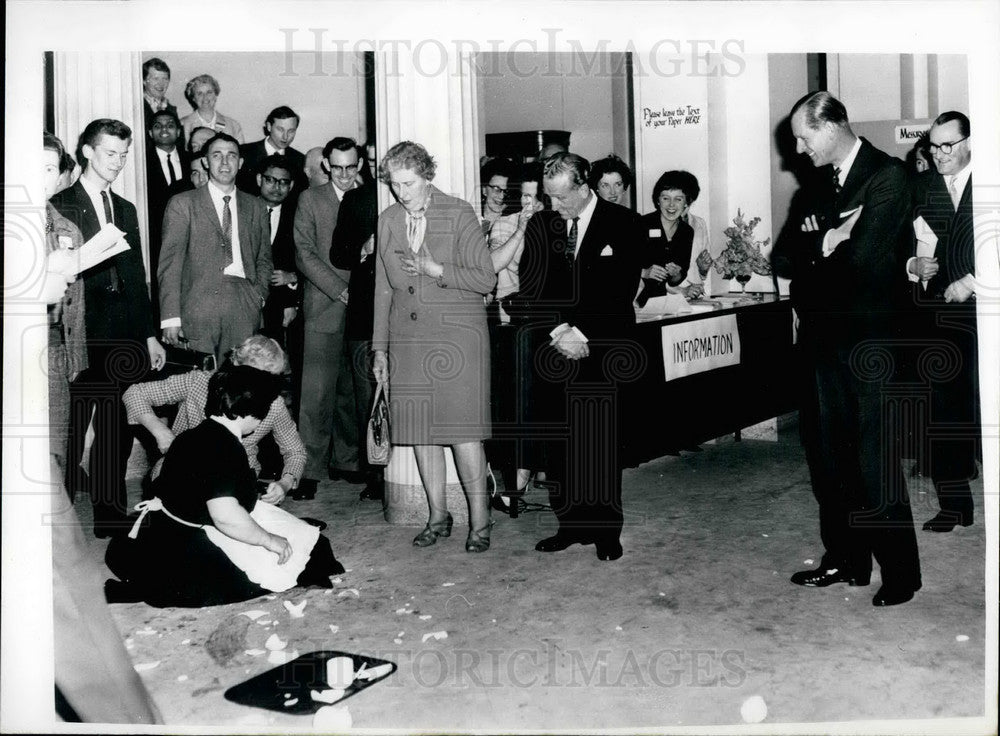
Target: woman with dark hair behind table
204, 539
668, 238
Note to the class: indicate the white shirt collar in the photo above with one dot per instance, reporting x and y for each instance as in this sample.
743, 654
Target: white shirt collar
583, 221
271, 149
848, 162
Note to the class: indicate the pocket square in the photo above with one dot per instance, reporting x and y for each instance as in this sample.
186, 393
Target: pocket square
607, 251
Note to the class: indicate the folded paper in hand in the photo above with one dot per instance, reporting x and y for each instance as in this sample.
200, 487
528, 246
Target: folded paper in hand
110, 241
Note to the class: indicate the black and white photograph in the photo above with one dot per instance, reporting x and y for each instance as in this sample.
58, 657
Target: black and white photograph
524, 367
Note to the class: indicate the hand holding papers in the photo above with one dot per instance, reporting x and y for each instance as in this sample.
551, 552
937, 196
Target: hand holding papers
924, 266
110, 241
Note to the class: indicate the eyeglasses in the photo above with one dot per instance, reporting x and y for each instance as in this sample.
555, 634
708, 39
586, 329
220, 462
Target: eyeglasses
945, 148
495, 188
272, 180
340, 170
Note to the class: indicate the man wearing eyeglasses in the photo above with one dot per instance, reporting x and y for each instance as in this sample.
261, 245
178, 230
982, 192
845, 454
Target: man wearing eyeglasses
280, 127
282, 306
326, 420
943, 272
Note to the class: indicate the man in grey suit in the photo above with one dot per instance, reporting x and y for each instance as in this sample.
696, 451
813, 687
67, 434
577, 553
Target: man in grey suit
323, 419
215, 260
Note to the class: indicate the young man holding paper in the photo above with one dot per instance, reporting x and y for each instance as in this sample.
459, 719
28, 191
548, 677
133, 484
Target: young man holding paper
121, 335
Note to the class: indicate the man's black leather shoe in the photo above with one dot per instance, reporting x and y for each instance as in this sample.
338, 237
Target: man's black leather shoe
945, 521
607, 551
374, 491
892, 595
556, 543
820, 578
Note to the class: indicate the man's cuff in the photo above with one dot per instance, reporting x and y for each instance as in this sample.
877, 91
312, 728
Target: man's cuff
909, 274
170, 322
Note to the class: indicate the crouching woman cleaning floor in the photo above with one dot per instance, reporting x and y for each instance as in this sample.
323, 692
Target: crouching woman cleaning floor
205, 538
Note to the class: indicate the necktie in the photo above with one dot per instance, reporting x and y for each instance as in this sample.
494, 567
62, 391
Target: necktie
109, 218
227, 222
571, 242
836, 180
270, 220
953, 191
170, 168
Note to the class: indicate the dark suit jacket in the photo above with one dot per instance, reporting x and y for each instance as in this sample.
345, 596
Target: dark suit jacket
956, 247
595, 295
159, 191
111, 314
252, 155
856, 292
356, 222
283, 256
193, 254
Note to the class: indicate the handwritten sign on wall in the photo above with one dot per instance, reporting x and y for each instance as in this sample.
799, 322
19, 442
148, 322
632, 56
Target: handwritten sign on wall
675, 117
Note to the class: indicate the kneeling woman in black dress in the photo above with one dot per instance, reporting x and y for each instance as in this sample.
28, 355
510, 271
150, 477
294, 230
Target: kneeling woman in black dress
205, 539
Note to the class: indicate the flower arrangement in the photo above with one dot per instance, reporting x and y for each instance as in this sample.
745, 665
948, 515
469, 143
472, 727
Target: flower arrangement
741, 257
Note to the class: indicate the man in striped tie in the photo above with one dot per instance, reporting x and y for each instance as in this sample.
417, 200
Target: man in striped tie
215, 260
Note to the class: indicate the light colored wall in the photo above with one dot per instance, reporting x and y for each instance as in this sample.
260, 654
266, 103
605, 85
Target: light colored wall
526, 91
255, 83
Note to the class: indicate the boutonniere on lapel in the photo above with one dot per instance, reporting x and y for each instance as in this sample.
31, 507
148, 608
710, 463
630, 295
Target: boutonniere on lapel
607, 251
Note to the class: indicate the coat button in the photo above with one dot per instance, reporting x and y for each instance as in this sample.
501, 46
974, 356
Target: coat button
69, 300
410, 289
413, 316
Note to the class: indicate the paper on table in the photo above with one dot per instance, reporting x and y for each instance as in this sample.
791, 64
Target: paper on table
661, 305
110, 241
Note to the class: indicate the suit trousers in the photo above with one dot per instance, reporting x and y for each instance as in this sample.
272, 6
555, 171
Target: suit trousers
577, 411
96, 397
223, 319
326, 412
864, 506
954, 429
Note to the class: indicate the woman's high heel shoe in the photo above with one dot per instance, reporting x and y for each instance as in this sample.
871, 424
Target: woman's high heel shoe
479, 539
431, 532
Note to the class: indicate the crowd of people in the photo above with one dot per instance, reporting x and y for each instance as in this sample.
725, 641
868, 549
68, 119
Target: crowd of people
500, 334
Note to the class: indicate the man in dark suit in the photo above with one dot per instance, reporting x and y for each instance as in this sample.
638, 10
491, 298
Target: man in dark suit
943, 268
155, 81
353, 249
326, 415
215, 263
282, 320
121, 334
279, 131
168, 172
848, 287
578, 276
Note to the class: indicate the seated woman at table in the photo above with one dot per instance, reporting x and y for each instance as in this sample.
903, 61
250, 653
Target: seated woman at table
204, 539
668, 237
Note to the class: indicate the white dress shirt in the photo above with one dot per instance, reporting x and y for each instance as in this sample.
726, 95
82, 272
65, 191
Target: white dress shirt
236, 267
94, 192
169, 160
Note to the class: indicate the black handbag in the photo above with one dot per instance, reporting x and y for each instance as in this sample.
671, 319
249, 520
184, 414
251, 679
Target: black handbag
379, 445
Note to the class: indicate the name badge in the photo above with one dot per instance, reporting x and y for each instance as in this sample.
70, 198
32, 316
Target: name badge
655, 232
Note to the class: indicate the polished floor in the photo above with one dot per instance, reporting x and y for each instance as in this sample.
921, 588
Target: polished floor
694, 620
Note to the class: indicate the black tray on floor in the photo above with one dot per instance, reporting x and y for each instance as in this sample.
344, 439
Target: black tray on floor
296, 678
